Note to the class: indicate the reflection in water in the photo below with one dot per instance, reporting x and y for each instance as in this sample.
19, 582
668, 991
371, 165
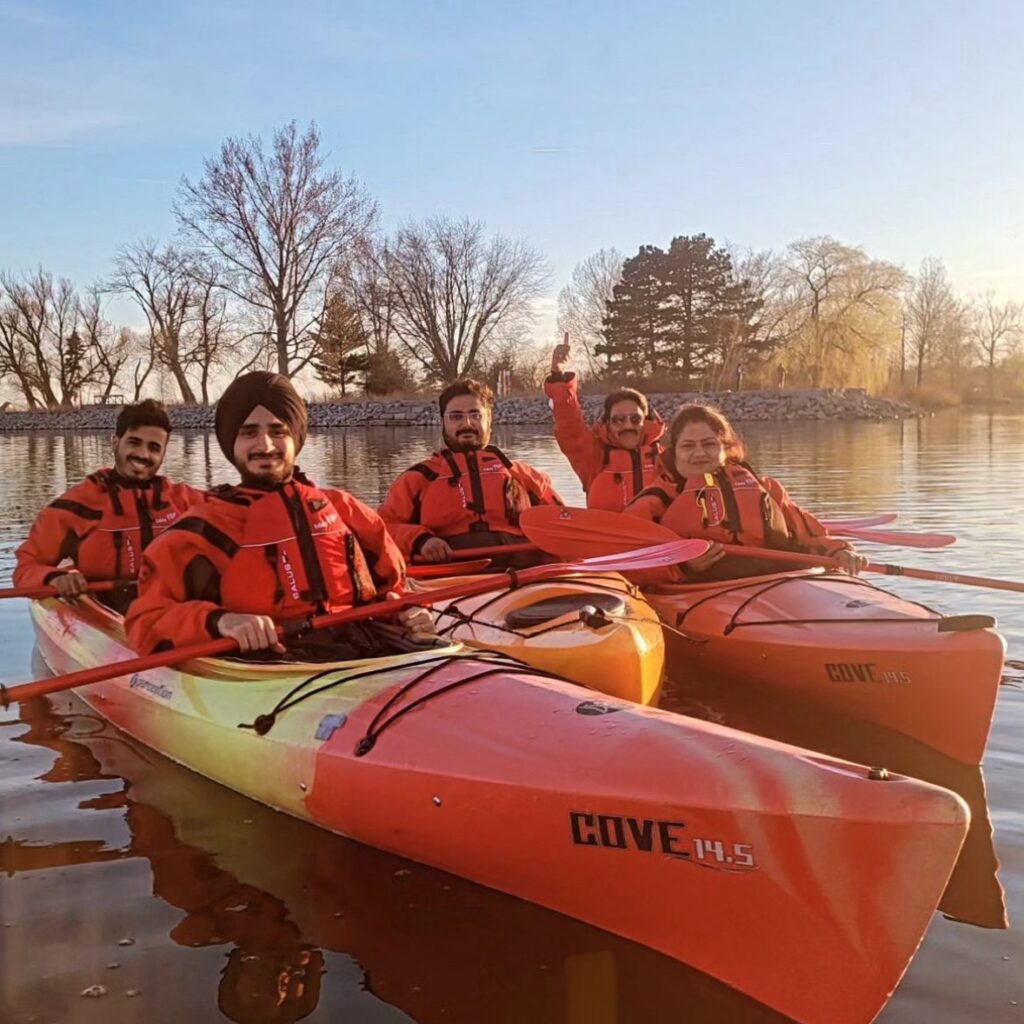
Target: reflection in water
974, 894
280, 892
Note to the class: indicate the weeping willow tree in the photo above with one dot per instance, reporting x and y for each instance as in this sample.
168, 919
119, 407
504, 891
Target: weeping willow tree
844, 314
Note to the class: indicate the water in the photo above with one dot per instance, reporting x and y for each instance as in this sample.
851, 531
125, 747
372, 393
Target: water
186, 901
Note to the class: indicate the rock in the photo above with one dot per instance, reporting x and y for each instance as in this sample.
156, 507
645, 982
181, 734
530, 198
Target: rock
795, 404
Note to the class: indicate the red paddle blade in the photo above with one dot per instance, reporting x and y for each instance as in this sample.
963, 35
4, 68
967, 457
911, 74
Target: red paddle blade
583, 532
651, 557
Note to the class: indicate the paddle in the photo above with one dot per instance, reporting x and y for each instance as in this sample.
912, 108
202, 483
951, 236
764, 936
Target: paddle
417, 572
650, 557
96, 587
571, 532
432, 571
860, 522
494, 551
906, 540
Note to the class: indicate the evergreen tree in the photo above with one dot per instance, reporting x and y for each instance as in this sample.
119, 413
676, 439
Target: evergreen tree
677, 313
637, 317
340, 345
708, 306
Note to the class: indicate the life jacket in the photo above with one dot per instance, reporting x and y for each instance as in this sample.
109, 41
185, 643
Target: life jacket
294, 555
471, 492
624, 473
730, 506
125, 523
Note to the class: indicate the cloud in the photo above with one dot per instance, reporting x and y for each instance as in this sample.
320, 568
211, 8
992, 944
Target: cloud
55, 127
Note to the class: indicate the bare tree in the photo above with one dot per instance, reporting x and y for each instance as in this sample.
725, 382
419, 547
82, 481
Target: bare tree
279, 226
457, 293
14, 356
843, 306
931, 313
43, 316
581, 303
109, 349
162, 283
996, 328
186, 308
365, 287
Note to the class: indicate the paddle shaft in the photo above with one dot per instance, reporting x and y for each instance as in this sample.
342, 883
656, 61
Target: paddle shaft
427, 571
886, 569
494, 551
664, 554
97, 587
898, 539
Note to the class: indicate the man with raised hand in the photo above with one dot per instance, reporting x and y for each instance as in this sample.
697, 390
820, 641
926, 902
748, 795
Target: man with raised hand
273, 549
99, 528
616, 457
469, 493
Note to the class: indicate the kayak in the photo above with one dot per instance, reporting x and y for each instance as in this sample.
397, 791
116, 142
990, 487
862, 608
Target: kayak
594, 629
846, 646
803, 881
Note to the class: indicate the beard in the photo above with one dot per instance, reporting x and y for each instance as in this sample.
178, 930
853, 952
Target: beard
266, 473
466, 439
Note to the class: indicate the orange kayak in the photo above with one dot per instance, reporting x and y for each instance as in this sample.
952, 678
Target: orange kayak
845, 645
803, 881
551, 625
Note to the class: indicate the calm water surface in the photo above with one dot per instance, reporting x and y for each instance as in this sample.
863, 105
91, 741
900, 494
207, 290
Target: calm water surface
188, 902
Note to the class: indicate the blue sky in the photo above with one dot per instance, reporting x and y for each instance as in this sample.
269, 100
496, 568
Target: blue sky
576, 126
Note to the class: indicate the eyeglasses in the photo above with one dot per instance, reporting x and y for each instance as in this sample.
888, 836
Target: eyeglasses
621, 420
473, 416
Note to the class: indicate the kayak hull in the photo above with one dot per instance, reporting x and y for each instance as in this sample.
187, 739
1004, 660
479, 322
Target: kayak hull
844, 645
798, 879
623, 658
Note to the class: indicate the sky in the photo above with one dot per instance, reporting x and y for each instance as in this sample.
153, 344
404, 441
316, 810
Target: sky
576, 126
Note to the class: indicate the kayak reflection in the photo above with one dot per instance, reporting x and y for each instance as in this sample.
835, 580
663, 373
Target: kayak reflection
974, 894
430, 945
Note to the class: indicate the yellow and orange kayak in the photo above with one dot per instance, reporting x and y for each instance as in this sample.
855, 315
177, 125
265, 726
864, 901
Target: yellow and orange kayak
845, 645
595, 629
803, 881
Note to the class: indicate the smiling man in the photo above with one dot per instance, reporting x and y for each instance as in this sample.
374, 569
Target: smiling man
98, 529
271, 550
469, 493
617, 457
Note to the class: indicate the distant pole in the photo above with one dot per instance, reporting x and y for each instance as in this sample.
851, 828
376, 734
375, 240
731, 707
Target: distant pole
903, 350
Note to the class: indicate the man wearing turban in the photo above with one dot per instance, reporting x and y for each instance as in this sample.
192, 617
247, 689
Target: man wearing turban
273, 549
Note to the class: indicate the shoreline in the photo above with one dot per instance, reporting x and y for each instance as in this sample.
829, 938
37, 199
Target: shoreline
789, 404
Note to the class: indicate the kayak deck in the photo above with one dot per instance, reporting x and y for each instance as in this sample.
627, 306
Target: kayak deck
621, 653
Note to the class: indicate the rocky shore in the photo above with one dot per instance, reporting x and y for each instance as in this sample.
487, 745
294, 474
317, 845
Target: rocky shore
790, 404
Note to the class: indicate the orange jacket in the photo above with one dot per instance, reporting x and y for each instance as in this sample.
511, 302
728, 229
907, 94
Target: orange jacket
102, 525
455, 494
611, 476
289, 552
734, 506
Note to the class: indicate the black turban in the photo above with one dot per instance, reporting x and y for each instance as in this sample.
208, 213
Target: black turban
271, 390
